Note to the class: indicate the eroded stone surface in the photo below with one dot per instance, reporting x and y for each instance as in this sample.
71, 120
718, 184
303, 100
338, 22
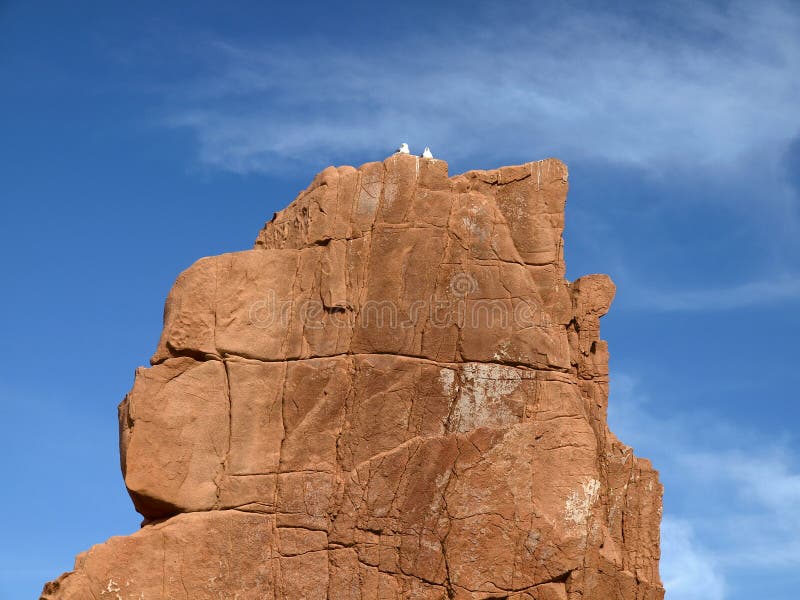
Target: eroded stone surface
395, 394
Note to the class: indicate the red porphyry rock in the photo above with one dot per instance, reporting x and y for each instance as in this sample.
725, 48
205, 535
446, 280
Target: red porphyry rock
395, 394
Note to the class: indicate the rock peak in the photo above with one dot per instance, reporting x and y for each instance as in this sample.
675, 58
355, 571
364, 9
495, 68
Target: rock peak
394, 394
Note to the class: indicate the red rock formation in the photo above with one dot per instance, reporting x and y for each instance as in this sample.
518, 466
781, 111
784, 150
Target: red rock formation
395, 394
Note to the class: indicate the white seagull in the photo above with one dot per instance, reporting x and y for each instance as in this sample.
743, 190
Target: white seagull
427, 153
403, 149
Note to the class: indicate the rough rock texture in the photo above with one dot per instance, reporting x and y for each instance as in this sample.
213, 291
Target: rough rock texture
395, 394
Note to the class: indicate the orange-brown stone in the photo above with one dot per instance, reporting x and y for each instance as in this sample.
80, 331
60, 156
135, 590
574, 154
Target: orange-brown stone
395, 394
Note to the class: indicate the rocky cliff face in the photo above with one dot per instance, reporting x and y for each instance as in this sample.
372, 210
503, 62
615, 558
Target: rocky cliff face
395, 394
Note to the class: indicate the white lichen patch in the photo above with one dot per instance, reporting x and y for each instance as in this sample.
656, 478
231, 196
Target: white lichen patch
447, 378
532, 541
112, 587
579, 502
474, 227
501, 353
481, 402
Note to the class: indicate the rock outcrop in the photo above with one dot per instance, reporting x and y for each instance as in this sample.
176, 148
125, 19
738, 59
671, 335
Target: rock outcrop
395, 394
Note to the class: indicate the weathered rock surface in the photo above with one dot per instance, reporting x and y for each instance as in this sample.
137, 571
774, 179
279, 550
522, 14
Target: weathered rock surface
395, 394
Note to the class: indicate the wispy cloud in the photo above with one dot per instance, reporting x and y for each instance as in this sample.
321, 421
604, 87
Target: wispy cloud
689, 571
732, 493
744, 295
693, 87
761, 527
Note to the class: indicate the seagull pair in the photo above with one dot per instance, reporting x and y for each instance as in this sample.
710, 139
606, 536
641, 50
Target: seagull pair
403, 149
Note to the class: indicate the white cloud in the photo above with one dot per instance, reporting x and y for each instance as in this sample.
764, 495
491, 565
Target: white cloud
688, 570
732, 493
753, 293
689, 88
761, 525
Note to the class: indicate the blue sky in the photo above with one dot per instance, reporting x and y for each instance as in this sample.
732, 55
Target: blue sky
137, 138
